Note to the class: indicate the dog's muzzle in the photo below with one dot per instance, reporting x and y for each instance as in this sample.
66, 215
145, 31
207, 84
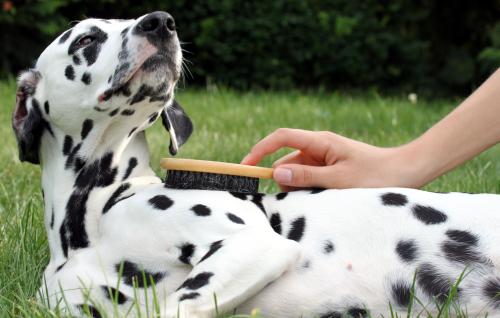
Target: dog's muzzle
163, 66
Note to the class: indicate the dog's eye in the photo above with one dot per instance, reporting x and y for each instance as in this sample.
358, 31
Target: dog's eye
86, 40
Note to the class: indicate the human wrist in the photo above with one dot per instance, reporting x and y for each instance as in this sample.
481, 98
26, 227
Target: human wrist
417, 164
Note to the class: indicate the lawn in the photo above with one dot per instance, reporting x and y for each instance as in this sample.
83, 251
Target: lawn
227, 124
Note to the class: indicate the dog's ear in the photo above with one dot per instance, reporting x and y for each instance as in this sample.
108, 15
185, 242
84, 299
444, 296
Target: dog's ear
27, 122
178, 124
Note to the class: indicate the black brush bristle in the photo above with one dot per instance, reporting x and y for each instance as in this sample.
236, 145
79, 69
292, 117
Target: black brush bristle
210, 181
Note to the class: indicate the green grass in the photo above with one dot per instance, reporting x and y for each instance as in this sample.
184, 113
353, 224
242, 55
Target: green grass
227, 124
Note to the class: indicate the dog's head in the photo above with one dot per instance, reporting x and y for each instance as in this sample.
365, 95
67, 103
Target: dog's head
103, 75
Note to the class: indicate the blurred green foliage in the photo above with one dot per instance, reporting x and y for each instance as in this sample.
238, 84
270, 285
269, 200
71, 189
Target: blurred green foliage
442, 47
489, 58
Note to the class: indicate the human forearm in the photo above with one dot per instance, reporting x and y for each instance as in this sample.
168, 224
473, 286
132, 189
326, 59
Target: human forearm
471, 128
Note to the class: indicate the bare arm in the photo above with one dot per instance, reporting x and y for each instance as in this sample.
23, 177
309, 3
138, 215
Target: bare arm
468, 130
325, 159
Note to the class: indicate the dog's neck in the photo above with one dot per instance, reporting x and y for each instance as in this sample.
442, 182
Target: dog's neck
76, 167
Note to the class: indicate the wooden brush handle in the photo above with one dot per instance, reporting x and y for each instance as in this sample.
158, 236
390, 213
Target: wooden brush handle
216, 167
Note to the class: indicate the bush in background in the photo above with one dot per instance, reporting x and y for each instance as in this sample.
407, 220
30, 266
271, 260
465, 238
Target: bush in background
431, 47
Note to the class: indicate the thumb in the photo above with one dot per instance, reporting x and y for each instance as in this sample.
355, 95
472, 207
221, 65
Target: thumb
296, 175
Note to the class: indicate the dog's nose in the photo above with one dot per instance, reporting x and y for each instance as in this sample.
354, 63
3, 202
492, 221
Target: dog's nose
159, 23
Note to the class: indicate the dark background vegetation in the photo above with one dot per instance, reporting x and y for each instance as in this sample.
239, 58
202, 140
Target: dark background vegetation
444, 47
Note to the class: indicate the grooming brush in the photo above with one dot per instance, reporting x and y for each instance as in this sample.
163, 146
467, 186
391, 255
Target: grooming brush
213, 175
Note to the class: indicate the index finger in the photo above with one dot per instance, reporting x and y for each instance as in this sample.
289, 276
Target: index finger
304, 140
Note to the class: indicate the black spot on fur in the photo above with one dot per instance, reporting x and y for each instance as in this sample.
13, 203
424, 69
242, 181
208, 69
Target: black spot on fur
124, 32
114, 112
462, 237
64, 239
123, 54
90, 310
65, 36
86, 78
125, 90
214, 247
331, 314
76, 59
132, 163
78, 164
257, 200
69, 72
197, 282
60, 267
281, 196
433, 283
99, 109
152, 117
72, 155
114, 295
159, 98
461, 247
44, 124
306, 264
297, 229
429, 215
492, 290
52, 219
161, 202
187, 251
99, 173
187, 296
201, 210
356, 312
239, 195
46, 107
132, 131
401, 293
131, 272
86, 128
328, 247
407, 250
234, 218
75, 219
317, 190
128, 112
141, 94
394, 199
115, 197
275, 222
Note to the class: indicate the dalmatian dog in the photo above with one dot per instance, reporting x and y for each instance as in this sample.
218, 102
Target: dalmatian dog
121, 243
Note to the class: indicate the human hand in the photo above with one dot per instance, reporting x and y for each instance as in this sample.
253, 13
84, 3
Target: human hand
327, 160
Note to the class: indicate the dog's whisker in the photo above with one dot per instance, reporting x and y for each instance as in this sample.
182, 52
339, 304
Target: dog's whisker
185, 70
184, 50
185, 60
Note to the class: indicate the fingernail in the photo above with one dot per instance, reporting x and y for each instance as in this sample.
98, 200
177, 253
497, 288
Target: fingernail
282, 175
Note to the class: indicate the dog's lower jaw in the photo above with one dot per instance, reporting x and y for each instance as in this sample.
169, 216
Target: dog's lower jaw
129, 158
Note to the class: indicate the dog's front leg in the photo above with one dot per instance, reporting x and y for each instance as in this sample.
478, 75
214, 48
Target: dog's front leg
232, 271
